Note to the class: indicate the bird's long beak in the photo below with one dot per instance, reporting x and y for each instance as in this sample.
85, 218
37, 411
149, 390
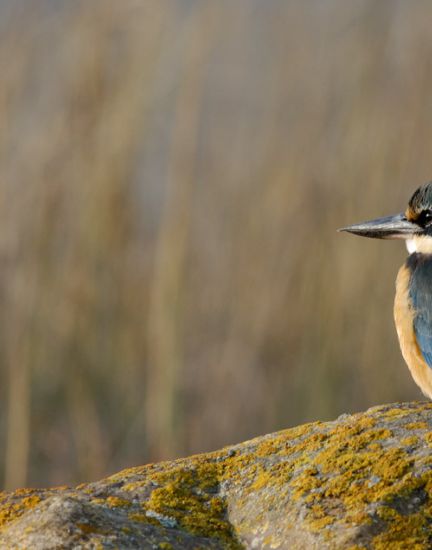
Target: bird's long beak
390, 227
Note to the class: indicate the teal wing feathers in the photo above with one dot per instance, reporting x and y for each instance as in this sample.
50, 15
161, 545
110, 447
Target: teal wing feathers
420, 293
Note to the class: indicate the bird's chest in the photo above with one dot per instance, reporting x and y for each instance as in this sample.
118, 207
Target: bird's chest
413, 290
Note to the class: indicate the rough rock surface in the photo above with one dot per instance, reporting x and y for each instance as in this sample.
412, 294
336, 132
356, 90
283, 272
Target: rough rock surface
361, 482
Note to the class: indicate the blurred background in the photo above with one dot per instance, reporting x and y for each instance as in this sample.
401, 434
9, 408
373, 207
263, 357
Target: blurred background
172, 175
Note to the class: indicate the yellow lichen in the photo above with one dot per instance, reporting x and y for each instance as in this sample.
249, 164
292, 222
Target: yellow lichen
417, 426
11, 511
90, 528
402, 532
187, 496
396, 413
115, 502
335, 476
408, 441
136, 516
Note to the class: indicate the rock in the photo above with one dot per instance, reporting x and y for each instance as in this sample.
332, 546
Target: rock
361, 482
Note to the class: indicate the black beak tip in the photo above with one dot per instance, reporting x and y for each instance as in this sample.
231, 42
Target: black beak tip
346, 230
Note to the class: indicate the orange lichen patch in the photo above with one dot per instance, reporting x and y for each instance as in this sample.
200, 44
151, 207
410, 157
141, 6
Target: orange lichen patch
299, 431
263, 479
310, 443
291, 441
306, 482
9, 511
396, 413
417, 426
319, 518
409, 441
273, 446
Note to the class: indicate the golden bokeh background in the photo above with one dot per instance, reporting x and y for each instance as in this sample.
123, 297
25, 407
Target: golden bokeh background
172, 176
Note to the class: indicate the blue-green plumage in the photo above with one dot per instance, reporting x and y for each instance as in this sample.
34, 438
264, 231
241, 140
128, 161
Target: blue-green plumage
420, 297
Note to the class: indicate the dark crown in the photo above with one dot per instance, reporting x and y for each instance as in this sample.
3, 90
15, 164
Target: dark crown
422, 198
421, 201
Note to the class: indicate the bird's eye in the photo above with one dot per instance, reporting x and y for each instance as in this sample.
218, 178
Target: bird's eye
425, 217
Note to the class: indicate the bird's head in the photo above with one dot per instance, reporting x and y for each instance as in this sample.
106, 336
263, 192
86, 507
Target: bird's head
414, 225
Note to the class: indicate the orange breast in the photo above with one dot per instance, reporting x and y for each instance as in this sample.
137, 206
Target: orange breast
404, 316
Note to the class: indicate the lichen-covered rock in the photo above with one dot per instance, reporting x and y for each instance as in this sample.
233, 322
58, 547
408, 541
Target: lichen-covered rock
361, 482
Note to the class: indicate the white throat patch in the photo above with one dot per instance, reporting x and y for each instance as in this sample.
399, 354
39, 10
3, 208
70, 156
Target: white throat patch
411, 245
423, 245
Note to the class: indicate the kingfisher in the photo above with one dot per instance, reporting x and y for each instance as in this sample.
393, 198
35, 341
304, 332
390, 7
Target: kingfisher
413, 300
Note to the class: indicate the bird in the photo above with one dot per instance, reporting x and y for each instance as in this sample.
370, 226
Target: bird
413, 300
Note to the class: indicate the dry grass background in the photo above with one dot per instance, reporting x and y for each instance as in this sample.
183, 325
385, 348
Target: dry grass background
172, 174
